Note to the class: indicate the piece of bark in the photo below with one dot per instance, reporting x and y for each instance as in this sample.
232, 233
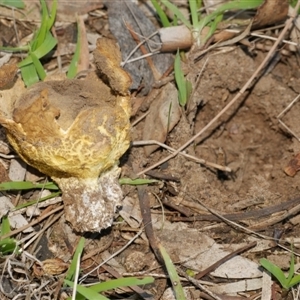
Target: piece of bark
124, 14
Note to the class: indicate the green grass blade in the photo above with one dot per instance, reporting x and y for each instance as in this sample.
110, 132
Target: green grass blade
72, 71
25, 62
175, 280
42, 43
162, 16
15, 49
29, 74
26, 185
5, 226
40, 35
194, 12
38, 66
189, 89
180, 80
199, 4
175, 21
233, 5
138, 181
49, 43
86, 292
34, 202
13, 3
213, 26
120, 282
177, 12
295, 280
292, 268
8, 246
117, 283
275, 271
51, 20
72, 269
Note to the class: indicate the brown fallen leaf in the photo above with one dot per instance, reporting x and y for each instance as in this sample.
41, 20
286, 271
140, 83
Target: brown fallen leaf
7, 74
163, 115
293, 166
53, 266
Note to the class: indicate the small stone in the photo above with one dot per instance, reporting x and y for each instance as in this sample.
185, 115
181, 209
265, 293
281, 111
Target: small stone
135, 261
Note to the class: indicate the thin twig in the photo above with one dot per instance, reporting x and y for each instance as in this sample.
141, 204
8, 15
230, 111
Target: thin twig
243, 228
127, 60
38, 234
224, 259
113, 255
155, 72
140, 118
194, 158
197, 284
282, 114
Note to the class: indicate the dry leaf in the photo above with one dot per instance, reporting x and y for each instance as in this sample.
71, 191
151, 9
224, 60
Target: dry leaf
203, 251
163, 116
293, 166
7, 74
270, 12
240, 286
53, 266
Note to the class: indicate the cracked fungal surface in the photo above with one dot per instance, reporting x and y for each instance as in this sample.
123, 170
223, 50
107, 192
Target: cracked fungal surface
75, 131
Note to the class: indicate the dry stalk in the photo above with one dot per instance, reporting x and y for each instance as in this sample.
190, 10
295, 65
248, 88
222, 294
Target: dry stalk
283, 113
43, 204
38, 235
194, 158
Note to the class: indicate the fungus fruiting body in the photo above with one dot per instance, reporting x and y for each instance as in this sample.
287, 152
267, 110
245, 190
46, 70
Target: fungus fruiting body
75, 131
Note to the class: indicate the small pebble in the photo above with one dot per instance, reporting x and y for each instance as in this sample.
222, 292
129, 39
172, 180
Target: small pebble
32, 211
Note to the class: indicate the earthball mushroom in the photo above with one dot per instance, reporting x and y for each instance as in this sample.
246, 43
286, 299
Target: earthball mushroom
75, 131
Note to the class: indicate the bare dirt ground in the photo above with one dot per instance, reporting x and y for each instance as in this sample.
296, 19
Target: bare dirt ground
256, 193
